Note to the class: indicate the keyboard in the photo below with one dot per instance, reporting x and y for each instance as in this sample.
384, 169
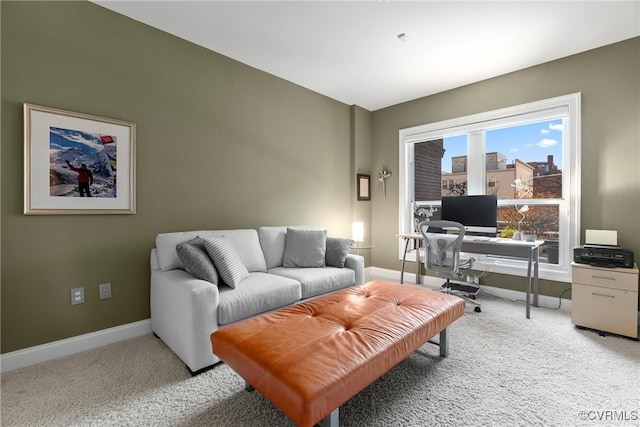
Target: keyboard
479, 239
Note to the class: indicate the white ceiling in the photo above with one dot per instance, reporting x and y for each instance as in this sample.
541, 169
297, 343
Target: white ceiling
349, 50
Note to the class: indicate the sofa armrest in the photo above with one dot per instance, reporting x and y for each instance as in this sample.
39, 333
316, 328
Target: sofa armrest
356, 263
184, 313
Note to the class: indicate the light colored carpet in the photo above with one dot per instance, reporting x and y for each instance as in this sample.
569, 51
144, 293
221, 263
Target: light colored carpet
502, 370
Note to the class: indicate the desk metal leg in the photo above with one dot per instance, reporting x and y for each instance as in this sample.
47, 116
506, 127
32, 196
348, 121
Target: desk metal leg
536, 261
530, 264
417, 245
404, 258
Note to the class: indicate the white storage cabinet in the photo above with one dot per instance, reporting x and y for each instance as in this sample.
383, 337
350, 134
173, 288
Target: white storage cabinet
605, 299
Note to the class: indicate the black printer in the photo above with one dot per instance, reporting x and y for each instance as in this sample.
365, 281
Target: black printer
603, 256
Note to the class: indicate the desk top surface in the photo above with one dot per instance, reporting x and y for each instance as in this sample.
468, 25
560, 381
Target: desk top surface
481, 240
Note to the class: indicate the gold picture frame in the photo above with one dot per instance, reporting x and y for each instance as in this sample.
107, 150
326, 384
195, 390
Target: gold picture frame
76, 163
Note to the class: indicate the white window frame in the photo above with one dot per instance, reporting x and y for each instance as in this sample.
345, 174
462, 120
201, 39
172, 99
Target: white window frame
567, 107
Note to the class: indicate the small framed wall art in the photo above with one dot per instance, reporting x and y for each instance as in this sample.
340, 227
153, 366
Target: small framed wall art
364, 187
76, 163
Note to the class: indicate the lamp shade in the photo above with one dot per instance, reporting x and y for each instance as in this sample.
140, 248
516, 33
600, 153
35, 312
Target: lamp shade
357, 231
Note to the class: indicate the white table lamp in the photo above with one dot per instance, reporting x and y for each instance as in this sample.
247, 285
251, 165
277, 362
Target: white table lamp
357, 231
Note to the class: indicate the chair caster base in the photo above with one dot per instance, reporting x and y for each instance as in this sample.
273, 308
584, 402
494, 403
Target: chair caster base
477, 310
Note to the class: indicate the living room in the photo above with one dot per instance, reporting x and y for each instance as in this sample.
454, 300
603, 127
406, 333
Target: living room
222, 145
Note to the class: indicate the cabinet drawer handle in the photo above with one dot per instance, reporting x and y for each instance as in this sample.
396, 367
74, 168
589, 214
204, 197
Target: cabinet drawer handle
604, 278
595, 294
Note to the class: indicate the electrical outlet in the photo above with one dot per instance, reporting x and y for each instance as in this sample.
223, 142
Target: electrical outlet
105, 290
77, 296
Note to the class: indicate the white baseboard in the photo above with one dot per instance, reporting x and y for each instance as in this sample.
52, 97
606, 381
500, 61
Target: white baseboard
435, 282
45, 352
54, 350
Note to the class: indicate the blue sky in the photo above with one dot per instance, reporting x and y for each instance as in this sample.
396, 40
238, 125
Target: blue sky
529, 143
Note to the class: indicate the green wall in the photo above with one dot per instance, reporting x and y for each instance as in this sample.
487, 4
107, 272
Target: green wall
222, 145
361, 155
609, 80
219, 145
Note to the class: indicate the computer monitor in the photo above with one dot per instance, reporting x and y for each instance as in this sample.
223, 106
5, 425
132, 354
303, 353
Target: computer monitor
478, 214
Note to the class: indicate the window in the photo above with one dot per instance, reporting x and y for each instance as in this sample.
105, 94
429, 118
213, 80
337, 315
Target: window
537, 144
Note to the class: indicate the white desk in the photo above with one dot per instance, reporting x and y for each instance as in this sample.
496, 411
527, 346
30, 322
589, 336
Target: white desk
494, 246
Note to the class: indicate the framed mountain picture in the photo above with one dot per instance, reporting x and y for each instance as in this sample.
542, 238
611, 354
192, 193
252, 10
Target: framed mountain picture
76, 163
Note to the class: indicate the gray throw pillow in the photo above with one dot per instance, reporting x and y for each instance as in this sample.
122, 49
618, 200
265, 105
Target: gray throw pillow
305, 248
227, 261
196, 261
337, 251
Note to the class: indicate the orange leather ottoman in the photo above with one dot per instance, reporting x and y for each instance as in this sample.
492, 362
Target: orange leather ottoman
310, 358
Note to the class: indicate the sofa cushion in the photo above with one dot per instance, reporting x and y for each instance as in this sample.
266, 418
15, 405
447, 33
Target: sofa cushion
317, 281
244, 240
196, 261
337, 251
273, 241
247, 246
259, 292
305, 248
226, 260
166, 248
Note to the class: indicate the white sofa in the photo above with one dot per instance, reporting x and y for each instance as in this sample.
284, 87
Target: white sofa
186, 310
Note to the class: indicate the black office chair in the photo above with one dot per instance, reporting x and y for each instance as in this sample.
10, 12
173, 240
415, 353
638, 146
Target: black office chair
442, 255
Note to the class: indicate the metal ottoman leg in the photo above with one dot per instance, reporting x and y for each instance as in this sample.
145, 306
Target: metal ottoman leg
330, 420
444, 343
